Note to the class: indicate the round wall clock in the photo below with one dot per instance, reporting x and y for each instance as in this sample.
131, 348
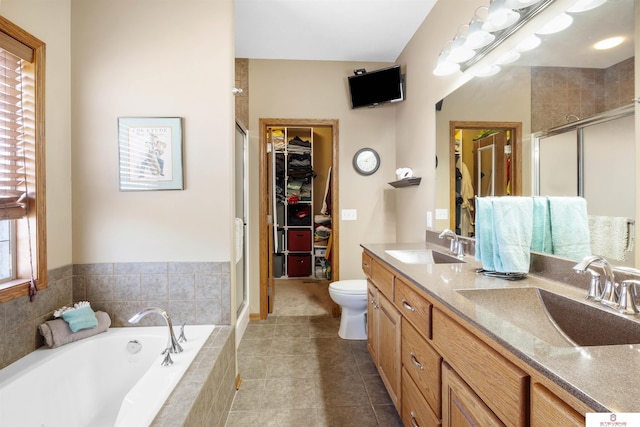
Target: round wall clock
366, 161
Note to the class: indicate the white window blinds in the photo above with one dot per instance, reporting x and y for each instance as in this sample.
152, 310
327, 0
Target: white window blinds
17, 146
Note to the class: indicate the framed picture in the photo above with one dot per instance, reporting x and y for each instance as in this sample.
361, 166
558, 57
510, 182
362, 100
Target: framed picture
150, 153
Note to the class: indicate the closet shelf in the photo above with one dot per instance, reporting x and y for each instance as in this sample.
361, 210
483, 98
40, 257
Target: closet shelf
406, 182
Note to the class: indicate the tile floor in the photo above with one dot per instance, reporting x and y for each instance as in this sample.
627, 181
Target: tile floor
296, 371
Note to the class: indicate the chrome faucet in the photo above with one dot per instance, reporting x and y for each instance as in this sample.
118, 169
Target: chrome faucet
609, 295
172, 343
456, 247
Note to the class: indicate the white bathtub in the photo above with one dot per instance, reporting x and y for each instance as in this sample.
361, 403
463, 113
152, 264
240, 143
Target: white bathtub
96, 382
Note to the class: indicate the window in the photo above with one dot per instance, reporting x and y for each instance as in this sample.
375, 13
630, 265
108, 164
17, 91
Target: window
22, 160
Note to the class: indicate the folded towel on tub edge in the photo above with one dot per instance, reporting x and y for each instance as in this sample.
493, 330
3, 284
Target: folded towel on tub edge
57, 332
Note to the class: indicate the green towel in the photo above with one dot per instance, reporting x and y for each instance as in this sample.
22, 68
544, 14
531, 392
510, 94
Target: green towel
80, 318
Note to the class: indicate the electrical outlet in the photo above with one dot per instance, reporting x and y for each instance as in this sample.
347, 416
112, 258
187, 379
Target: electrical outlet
349, 214
429, 219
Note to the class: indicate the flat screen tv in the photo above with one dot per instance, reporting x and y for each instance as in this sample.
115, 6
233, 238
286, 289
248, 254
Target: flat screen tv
376, 87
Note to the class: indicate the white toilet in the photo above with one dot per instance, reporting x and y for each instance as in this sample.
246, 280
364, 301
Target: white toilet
351, 295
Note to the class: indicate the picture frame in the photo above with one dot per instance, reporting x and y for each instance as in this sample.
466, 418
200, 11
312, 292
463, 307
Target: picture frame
150, 153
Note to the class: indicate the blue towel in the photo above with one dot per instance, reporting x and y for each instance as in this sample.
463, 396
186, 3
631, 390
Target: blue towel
80, 318
569, 227
512, 223
541, 234
484, 232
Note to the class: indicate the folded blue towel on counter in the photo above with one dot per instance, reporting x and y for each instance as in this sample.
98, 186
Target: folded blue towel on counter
80, 318
512, 222
541, 234
484, 232
569, 227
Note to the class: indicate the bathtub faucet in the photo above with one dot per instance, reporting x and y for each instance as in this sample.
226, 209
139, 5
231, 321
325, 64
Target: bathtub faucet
172, 343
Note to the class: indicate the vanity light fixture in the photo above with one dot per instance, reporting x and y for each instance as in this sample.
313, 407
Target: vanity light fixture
499, 16
557, 24
609, 43
584, 5
477, 37
445, 67
459, 52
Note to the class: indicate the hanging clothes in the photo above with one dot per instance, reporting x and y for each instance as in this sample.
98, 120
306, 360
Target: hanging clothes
467, 208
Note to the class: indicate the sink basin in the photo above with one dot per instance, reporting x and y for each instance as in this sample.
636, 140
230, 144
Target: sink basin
556, 319
423, 256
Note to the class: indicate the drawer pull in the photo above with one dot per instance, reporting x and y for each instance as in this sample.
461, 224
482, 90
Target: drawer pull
406, 305
415, 362
413, 420
365, 265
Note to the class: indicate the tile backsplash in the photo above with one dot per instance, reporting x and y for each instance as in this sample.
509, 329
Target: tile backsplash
191, 292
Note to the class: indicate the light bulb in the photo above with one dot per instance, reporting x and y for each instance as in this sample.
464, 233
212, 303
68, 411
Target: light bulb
499, 17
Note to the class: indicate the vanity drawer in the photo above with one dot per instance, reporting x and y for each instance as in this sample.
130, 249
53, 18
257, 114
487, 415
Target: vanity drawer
382, 277
366, 264
413, 306
415, 412
499, 383
423, 364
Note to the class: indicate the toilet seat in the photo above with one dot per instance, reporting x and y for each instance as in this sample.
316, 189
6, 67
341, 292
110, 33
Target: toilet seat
349, 287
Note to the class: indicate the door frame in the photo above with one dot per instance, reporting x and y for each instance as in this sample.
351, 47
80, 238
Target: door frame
265, 225
516, 157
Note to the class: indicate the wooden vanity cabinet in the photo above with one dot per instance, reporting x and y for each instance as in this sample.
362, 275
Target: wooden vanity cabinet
415, 411
547, 409
461, 406
501, 385
383, 330
413, 306
422, 365
438, 370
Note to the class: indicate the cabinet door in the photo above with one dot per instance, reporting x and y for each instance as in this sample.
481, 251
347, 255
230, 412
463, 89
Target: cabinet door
460, 405
372, 321
389, 346
547, 409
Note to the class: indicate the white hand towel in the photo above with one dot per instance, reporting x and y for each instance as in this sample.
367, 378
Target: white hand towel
610, 236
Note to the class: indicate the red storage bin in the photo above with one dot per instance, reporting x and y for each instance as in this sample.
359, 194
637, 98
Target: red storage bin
299, 265
299, 240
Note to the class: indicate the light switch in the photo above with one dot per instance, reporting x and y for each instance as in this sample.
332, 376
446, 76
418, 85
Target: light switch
349, 214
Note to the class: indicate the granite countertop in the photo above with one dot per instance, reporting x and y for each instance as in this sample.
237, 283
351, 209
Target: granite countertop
604, 377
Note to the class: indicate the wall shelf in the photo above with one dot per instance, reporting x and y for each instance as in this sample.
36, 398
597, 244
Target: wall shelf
406, 182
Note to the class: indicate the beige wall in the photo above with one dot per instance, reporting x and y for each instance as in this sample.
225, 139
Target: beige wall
416, 126
49, 20
136, 59
318, 90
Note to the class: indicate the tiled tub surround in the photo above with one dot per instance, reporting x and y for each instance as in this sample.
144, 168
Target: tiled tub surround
585, 372
191, 292
19, 318
204, 395
196, 293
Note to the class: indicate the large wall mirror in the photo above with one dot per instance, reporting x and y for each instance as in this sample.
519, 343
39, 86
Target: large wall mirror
560, 85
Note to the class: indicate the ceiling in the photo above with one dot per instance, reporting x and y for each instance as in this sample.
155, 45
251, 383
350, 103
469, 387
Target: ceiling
378, 30
327, 30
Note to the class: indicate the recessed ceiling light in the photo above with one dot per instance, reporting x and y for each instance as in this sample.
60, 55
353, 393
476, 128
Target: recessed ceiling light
608, 43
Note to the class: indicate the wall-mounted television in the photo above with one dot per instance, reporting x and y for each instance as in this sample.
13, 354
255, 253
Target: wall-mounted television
368, 89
